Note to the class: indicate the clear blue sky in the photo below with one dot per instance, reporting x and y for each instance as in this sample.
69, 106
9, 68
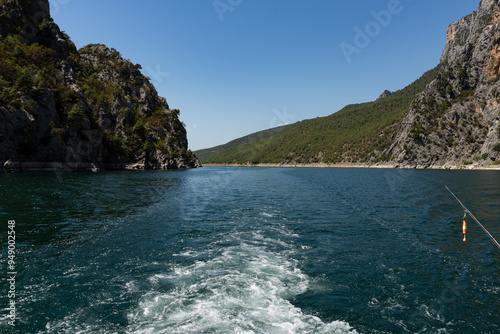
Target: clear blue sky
234, 67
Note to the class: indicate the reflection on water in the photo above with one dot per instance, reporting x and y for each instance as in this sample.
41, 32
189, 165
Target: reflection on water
57, 205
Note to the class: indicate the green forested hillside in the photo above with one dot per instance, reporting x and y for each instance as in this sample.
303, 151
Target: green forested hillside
207, 153
357, 133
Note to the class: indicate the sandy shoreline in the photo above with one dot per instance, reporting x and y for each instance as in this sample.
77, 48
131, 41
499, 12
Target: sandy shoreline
324, 165
96, 167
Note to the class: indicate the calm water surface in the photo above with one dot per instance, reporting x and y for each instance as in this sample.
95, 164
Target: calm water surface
251, 250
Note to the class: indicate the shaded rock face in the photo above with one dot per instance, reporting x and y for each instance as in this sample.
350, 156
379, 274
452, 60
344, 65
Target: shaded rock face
455, 120
68, 109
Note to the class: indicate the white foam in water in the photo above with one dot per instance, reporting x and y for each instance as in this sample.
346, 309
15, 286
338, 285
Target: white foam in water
246, 289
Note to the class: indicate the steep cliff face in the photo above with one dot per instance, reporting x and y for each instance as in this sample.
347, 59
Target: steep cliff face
455, 120
68, 109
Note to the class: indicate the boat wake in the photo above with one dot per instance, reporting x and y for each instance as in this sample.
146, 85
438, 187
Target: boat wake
246, 288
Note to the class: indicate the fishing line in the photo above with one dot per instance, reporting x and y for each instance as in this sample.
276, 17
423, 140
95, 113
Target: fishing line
467, 211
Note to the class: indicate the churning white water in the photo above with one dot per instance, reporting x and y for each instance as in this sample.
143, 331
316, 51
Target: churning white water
246, 288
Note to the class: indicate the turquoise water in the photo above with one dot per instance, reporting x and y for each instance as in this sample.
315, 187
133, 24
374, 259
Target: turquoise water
251, 250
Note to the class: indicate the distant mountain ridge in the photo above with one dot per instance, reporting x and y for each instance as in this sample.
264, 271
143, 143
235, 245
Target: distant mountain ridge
68, 109
205, 154
449, 118
357, 133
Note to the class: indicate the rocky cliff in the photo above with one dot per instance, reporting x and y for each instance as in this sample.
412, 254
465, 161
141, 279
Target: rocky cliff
68, 109
455, 120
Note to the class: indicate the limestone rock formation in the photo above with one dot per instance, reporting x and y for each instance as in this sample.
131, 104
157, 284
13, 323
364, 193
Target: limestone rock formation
455, 121
68, 109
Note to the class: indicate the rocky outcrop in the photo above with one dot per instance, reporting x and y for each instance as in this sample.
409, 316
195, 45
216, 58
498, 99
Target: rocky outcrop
385, 94
455, 121
68, 109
